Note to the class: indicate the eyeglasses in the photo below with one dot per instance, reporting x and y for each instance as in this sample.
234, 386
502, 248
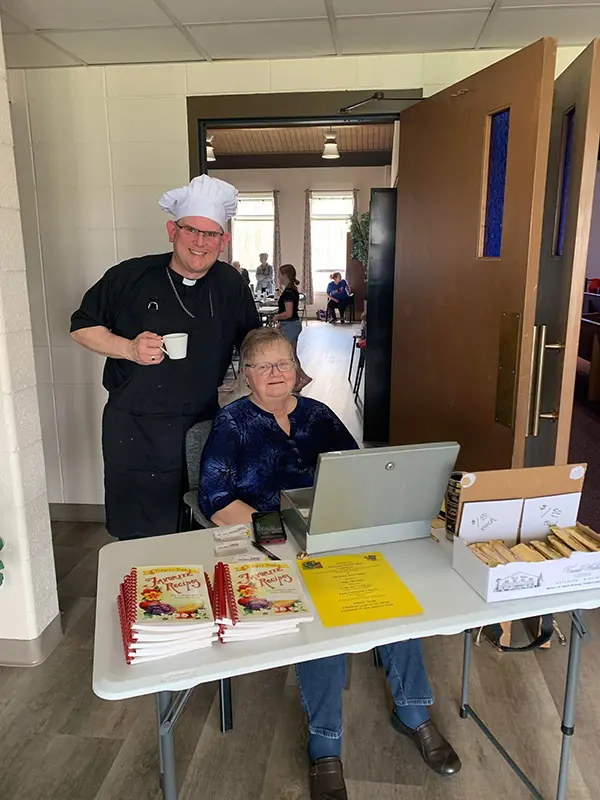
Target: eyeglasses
266, 368
212, 236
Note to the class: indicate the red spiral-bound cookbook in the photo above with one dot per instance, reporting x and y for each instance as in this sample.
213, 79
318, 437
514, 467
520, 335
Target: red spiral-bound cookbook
165, 611
258, 599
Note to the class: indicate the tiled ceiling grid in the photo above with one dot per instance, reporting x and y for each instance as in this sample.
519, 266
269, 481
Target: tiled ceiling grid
48, 33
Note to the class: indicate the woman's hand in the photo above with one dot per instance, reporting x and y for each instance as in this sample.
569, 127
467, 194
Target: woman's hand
236, 513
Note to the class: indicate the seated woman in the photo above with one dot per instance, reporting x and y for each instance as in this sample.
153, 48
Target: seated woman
269, 441
338, 297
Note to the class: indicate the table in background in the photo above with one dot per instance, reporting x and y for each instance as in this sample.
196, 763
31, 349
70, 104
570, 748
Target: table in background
450, 606
266, 313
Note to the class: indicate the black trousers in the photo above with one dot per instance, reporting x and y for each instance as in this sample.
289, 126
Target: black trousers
332, 306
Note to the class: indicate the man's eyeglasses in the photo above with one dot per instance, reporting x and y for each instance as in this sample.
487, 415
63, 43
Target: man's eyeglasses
189, 231
266, 368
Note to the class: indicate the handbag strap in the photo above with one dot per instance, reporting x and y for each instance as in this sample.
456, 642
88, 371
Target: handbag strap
544, 636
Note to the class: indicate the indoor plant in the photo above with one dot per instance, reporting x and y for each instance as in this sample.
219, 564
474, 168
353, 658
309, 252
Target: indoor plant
359, 231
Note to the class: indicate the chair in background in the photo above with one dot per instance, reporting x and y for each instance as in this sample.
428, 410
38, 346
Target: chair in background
194, 444
355, 340
235, 357
350, 308
359, 371
302, 310
348, 315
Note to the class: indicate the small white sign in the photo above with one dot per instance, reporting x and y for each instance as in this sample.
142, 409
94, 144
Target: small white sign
539, 513
491, 519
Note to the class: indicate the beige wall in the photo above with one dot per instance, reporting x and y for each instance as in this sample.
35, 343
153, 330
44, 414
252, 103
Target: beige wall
292, 184
28, 599
96, 146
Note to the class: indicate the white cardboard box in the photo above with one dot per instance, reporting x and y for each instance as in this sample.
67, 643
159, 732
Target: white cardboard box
526, 579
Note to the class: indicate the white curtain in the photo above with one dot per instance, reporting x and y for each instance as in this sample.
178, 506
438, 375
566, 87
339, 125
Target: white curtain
276, 235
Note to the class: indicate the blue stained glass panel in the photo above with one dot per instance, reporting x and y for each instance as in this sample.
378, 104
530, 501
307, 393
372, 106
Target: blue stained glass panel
564, 186
496, 184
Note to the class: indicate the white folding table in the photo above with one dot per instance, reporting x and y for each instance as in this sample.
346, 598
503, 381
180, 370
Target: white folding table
449, 604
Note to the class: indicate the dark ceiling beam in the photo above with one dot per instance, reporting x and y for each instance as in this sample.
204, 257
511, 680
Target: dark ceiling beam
300, 160
334, 120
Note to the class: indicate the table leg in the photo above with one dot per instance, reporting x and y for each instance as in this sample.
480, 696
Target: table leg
166, 747
464, 692
225, 705
578, 634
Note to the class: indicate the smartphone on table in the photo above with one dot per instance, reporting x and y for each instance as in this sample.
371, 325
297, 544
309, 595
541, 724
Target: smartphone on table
268, 528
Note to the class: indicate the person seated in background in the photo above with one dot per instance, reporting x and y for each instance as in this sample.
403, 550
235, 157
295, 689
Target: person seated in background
265, 277
288, 319
242, 270
271, 440
338, 298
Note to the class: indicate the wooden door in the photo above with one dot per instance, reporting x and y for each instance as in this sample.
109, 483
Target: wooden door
572, 161
466, 271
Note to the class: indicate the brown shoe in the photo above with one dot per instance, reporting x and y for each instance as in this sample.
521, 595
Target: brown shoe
437, 753
327, 780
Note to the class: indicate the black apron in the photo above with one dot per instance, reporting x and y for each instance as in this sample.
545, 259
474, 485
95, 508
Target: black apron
147, 417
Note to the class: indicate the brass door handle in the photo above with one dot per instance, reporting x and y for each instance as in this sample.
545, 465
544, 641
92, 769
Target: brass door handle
540, 346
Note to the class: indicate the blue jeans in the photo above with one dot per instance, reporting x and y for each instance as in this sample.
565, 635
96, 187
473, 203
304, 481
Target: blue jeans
322, 682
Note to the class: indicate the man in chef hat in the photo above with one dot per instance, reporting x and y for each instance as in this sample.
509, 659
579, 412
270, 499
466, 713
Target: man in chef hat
154, 399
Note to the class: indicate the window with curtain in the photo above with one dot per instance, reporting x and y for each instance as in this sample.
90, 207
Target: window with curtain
330, 214
252, 230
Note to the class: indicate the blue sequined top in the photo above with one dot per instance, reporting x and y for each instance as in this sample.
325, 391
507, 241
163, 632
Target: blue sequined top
249, 457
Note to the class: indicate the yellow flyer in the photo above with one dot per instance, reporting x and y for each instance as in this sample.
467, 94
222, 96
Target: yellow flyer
349, 589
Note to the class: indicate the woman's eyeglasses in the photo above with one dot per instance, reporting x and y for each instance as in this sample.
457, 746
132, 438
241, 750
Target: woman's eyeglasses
266, 368
189, 231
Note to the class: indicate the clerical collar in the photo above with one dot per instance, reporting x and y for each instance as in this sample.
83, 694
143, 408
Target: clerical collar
189, 281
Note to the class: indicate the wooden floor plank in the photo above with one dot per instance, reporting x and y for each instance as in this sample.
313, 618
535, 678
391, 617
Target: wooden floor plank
58, 768
286, 776
233, 766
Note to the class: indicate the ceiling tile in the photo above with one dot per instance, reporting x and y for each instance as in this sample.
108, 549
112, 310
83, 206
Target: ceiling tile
411, 33
518, 27
275, 39
521, 3
127, 46
192, 12
8, 26
360, 8
84, 14
28, 50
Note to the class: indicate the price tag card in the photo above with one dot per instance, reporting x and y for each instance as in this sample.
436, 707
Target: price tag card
539, 513
491, 519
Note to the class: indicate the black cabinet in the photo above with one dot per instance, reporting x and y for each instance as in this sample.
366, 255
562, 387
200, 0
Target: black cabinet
380, 316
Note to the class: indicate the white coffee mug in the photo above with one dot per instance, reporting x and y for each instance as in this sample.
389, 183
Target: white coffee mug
175, 345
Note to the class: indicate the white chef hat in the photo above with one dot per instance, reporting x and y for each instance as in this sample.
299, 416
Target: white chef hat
203, 197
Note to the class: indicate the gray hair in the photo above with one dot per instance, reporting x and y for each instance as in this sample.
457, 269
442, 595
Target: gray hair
258, 340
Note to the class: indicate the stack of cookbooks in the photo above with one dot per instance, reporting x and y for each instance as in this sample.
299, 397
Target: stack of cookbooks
258, 599
165, 611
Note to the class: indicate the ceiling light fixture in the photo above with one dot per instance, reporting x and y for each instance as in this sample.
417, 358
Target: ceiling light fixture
330, 150
210, 150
